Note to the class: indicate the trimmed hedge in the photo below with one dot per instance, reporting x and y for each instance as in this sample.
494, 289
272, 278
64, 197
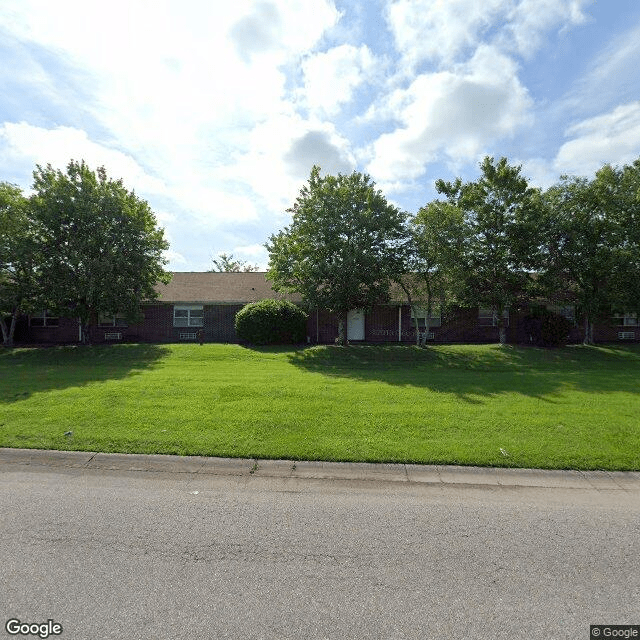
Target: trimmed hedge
271, 322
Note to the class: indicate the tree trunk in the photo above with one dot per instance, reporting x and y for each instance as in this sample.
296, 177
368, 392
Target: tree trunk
502, 330
588, 331
5, 333
85, 330
427, 327
342, 337
413, 313
8, 332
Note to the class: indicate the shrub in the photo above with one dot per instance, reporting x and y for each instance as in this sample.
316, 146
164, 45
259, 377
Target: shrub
555, 329
547, 328
271, 322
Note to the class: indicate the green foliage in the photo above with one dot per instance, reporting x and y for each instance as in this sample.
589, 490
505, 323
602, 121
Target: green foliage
20, 274
501, 236
101, 249
626, 213
548, 329
342, 247
271, 322
227, 263
433, 258
594, 241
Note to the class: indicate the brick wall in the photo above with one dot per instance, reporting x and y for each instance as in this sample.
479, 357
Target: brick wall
459, 325
66, 332
218, 324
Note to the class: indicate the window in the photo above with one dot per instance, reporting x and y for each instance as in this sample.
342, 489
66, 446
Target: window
568, 311
112, 320
188, 316
489, 317
43, 319
419, 317
627, 319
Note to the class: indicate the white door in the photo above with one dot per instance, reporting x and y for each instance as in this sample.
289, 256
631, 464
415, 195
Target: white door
355, 324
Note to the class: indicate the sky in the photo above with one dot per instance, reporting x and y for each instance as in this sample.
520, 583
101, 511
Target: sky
215, 112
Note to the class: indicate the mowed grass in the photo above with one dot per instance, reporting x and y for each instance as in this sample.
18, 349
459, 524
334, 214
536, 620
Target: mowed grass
576, 407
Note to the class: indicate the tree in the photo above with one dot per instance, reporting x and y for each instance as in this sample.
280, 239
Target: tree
594, 248
434, 258
502, 246
623, 187
342, 247
20, 279
226, 263
100, 246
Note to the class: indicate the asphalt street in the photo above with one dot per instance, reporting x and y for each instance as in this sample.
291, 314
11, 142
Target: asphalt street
135, 547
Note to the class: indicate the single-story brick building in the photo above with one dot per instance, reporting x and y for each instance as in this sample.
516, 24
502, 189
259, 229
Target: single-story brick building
208, 302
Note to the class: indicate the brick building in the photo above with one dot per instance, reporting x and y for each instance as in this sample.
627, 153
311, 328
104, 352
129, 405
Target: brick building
207, 302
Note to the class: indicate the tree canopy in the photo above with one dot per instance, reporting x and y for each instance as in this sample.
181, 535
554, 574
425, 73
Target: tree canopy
227, 263
99, 243
20, 270
434, 258
501, 248
342, 247
594, 242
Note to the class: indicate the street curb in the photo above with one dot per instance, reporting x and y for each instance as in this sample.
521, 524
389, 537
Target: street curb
402, 473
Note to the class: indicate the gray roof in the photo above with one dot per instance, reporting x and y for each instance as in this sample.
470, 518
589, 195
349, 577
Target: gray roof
219, 288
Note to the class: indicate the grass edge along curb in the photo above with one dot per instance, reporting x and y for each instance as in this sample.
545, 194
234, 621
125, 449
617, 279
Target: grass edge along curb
482, 405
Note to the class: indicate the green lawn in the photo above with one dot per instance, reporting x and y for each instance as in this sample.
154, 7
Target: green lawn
577, 407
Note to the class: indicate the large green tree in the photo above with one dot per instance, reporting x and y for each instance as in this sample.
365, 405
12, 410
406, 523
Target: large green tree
594, 242
20, 273
434, 259
342, 247
502, 244
101, 247
624, 183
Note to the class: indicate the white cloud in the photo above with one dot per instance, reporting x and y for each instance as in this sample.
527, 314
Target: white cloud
530, 20
612, 137
282, 152
175, 260
253, 254
252, 250
23, 143
285, 25
182, 89
456, 112
613, 74
539, 172
446, 30
332, 77
439, 29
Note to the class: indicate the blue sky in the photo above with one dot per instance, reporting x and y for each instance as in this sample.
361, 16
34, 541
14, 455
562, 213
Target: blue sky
215, 112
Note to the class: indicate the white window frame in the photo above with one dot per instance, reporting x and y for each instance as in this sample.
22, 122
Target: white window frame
48, 320
627, 319
112, 320
188, 320
489, 317
435, 319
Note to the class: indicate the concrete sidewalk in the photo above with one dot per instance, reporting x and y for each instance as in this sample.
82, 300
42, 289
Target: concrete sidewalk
404, 473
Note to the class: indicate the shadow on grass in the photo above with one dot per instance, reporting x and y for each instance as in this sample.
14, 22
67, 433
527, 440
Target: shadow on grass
24, 372
474, 372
